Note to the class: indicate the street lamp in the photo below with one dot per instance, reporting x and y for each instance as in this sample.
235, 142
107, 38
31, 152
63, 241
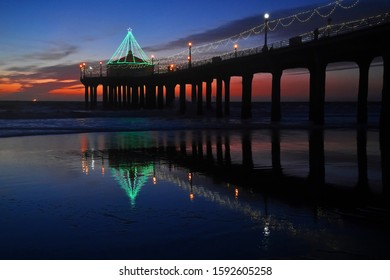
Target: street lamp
235, 50
189, 54
266, 17
101, 68
152, 59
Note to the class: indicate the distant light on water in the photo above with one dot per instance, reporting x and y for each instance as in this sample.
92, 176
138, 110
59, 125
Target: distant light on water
34, 100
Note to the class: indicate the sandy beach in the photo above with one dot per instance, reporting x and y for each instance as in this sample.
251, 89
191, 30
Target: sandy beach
147, 184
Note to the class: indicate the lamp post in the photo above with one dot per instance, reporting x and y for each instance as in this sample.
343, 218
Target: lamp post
266, 17
189, 54
101, 68
329, 26
235, 50
152, 57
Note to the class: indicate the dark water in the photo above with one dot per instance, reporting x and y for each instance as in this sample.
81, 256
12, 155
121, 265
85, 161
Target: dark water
215, 193
28, 118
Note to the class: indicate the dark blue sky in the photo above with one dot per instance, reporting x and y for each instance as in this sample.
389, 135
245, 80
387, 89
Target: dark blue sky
41, 41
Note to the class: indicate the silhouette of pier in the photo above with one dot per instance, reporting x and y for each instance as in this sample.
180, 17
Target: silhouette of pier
313, 52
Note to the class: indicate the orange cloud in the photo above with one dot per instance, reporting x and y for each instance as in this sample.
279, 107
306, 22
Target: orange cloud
8, 86
68, 81
74, 90
39, 81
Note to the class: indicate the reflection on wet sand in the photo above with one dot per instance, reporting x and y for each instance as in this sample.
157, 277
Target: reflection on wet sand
210, 194
242, 158
224, 168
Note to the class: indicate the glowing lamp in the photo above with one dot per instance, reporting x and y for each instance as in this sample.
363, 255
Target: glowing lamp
266, 17
190, 44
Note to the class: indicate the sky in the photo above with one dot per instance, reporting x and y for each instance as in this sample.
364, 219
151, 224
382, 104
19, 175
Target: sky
42, 43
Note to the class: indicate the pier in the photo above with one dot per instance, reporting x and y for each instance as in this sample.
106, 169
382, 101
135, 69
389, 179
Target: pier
312, 51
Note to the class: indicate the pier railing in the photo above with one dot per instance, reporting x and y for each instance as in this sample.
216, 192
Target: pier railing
331, 30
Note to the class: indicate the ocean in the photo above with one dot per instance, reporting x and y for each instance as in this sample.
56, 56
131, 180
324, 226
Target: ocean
80, 184
65, 117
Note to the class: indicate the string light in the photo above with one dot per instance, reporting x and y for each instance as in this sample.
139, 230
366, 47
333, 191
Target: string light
204, 52
302, 17
336, 29
129, 52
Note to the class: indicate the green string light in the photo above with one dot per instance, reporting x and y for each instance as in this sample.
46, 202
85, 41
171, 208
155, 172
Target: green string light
129, 53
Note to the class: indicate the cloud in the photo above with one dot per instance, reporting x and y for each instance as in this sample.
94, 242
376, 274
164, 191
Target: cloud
22, 69
9, 86
77, 89
39, 80
55, 53
214, 34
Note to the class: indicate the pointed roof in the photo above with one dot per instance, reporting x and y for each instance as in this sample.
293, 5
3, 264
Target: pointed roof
129, 52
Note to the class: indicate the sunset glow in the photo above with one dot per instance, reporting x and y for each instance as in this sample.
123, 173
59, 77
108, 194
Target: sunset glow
55, 53
77, 90
10, 87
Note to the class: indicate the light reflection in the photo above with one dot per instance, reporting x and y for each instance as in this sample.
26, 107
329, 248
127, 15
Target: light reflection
133, 170
180, 166
266, 230
190, 177
154, 174
132, 177
192, 196
84, 164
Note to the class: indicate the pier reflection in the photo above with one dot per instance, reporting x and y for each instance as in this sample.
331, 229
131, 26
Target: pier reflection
290, 184
279, 163
211, 194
